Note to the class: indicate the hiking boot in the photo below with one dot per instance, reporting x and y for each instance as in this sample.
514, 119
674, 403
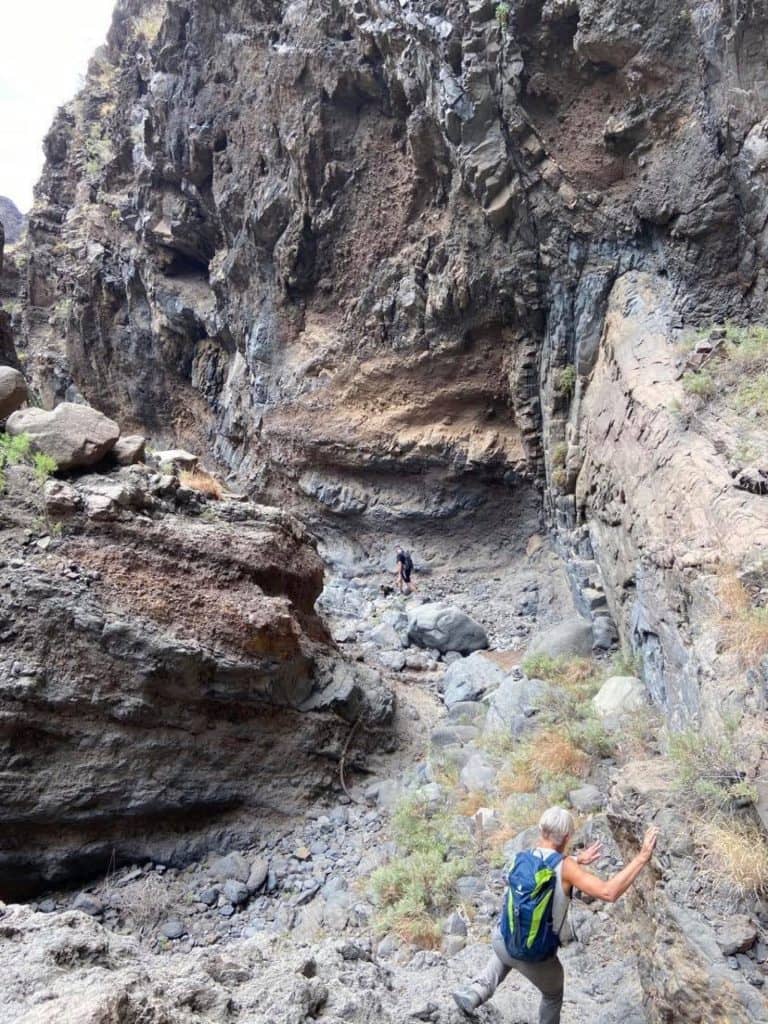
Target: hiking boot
467, 1000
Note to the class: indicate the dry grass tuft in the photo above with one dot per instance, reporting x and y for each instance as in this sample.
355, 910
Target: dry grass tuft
743, 624
548, 764
735, 856
199, 480
471, 803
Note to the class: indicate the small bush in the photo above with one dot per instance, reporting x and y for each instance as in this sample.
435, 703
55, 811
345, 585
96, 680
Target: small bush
421, 883
591, 736
44, 466
502, 14
204, 483
700, 384
565, 380
559, 454
708, 771
549, 764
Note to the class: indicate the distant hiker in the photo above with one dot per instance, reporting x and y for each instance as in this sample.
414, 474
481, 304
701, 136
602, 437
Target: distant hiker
404, 570
535, 907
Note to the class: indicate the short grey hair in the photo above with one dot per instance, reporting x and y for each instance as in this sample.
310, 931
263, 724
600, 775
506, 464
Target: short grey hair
556, 824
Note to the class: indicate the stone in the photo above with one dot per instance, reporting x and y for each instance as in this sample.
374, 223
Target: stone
446, 736
394, 660
619, 695
302, 853
88, 904
258, 874
446, 628
173, 929
736, 934
469, 886
61, 499
47, 906
514, 703
454, 924
453, 944
13, 391
586, 798
477, 775
129, 450
208, 896
470, 678
175, 459
570, 638
525, 840
236, 892
73, 435
386, 636
233, 865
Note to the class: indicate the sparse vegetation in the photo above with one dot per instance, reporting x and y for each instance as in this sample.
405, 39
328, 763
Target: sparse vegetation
736, 370
707, 770
13, 451
735, 856
502, 14
559, 454
743, 623
200, 480
565, 380
44, 466
420, 884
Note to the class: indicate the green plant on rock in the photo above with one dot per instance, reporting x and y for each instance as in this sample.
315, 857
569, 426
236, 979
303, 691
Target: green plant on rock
709, 769
565, 380
701, 384
559, 454
420, 883
502, 14
44, 466
13, 451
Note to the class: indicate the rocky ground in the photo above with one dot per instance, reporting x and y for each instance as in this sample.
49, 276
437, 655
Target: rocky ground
284, 927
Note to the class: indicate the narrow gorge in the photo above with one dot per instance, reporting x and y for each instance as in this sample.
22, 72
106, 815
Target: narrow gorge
304, 281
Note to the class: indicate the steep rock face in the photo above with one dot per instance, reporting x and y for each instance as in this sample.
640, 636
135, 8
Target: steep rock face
657, 499
152, 675
337, 241
12, 219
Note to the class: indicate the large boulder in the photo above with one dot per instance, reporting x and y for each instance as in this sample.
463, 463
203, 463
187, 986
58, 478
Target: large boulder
13, 391
570, 638
469, 678
73, 435
619, 695
445, 628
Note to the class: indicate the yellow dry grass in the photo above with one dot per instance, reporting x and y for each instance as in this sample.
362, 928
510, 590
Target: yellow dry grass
471, 803
199, 480
735, 856
744, 626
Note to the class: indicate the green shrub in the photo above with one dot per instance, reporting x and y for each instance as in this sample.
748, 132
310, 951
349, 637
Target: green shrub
44, 466
420, 883
559, 454
502, 14
700, 384
709, 769
565, 380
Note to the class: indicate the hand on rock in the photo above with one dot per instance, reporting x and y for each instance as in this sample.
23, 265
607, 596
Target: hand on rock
590, 854
649, 842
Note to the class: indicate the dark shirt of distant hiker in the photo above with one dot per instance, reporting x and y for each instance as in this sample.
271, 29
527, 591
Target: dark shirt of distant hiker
404, 570
533, 916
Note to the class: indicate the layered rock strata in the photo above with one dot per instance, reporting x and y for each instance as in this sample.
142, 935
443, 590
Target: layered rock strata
157, 671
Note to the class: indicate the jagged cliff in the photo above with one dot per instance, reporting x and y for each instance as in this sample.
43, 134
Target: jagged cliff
392, 264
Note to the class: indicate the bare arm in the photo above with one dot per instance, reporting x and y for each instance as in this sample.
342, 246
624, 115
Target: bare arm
610, 891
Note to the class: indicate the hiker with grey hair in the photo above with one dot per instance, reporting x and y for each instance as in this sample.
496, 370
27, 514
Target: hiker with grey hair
536, 904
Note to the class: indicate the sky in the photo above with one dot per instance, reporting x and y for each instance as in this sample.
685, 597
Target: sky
46, 46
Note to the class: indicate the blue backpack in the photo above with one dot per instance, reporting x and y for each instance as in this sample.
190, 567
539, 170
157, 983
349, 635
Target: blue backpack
526, 917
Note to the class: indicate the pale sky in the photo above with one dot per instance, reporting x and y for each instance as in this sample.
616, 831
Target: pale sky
46, 48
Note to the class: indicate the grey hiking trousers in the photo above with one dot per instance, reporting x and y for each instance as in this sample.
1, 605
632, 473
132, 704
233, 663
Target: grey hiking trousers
546, 975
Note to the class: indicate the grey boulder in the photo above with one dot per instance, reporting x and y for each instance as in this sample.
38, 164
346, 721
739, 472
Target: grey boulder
73, 435
514, 703
570, 638
13, 391
470, 678
618, 696
445, 628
